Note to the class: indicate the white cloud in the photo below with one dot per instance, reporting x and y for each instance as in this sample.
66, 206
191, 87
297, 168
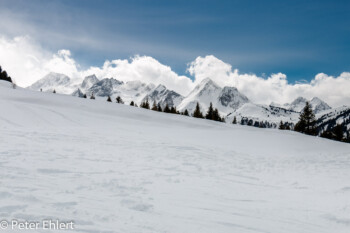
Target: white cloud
144, 68
333, 90
27, 62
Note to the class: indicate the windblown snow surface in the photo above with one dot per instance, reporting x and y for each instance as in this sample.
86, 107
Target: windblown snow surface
116, 168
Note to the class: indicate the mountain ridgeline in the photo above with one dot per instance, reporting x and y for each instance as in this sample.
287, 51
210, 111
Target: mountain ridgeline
230, 104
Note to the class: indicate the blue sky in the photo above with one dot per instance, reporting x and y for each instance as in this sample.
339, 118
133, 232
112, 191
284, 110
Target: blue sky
298, 38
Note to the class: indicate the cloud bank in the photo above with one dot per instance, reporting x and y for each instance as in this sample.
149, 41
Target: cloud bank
27, 62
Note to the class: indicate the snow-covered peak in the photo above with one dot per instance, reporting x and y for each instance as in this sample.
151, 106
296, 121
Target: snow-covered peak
231, 97
160, 88
319, 105
163, 96
206, 86
299, 103
78, 93
105, 87
53, 81
89, 81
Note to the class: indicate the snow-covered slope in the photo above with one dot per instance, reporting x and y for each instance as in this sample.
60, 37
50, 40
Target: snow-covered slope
264, 113
116, 168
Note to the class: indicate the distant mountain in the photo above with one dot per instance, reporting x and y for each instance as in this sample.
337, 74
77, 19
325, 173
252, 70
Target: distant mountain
299, 103
88, 82
232, 98
225, 99
163, 96
105, 87
319, 105
78, 93
229, 101
53, 81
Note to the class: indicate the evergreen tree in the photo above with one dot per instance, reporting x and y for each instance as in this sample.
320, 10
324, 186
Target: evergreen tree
119, 100
250, 122
185, 113
338, 132
4, 75
216, 115
109, 99
132, 103
154, 106
159, 108
234, 120
166, 109
136, 105
54, 91
287, 127
210, 112
173, 110
197, 112
145, 104
281, 126
84, 96
92, 96
307, 121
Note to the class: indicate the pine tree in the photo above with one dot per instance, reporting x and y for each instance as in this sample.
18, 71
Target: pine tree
54, 91
166, 109
4, 75
287, 126
109, 99
185, 113
92, 96
145, 104
154, 106
173, 110
210, 112
338, 132
119, 100
216, 115
132, 103
159, 108
197, 112
84, 96
307, 121
281, 126
234, 120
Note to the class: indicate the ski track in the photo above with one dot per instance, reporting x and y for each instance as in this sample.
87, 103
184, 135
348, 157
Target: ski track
114, 168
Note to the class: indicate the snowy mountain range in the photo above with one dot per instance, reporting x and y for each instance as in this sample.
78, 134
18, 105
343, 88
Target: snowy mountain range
299, 103
229, 101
